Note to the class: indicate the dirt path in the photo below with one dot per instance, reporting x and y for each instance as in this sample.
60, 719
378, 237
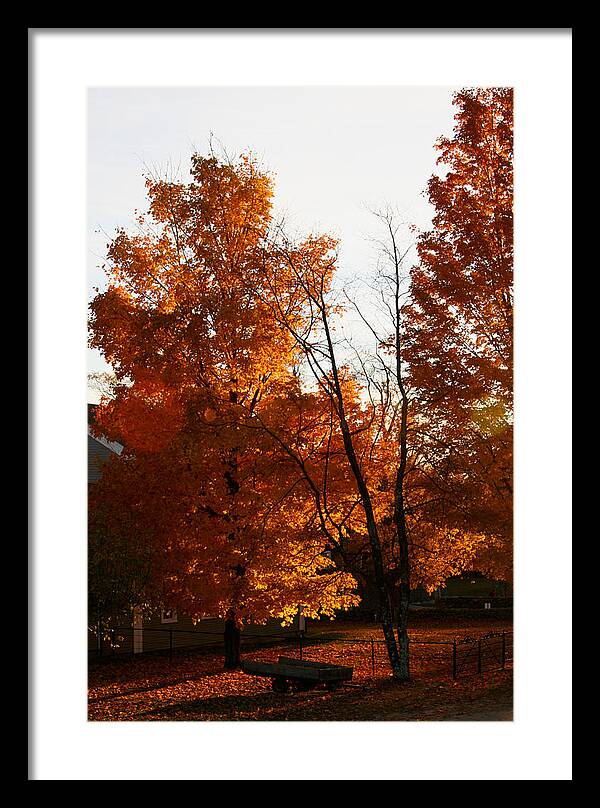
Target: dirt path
457, 713
492, 703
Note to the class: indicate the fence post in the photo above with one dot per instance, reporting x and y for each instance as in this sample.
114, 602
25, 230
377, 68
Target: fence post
132, 641
454, 669
170, 644
503, 650
372, 656
478, 656
300, 642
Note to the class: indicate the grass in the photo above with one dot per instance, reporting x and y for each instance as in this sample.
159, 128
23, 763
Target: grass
194, 686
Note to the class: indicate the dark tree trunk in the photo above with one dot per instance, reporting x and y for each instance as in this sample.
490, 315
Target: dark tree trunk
385, 605
403, 641
232, 644
403, 560
399, 505
232, 626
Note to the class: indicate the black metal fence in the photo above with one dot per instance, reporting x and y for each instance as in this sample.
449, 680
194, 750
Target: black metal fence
124, 640
458, 657
369, 656
476, 655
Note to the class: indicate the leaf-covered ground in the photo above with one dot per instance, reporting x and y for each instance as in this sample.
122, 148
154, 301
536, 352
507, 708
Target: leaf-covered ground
194, 686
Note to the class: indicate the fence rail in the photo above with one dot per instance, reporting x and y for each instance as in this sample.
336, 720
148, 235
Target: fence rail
476, 655
123, 640
458, 657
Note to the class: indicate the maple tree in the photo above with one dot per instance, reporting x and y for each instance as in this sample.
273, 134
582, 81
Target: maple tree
361, 427
185, 325
385, 545
458, 340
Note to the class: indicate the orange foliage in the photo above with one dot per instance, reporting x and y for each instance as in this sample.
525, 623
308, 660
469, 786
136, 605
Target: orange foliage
235, 485
459, 330
202, 364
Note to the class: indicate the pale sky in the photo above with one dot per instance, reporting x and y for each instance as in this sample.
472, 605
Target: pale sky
335, 153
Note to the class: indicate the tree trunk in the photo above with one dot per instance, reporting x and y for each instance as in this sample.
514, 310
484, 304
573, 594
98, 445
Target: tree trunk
403, 567
403, 639
232, 643
387, 625
385, 606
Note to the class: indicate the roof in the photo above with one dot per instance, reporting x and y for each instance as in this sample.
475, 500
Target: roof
112, 446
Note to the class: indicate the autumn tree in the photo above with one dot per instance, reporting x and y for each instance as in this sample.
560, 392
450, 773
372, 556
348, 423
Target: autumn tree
459, 327
186, 325
305, 287
370, 402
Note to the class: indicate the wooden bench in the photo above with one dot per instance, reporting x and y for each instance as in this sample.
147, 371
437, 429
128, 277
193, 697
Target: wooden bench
289, 673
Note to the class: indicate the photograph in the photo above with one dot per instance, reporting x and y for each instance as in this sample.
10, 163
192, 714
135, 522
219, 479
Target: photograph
300, 420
